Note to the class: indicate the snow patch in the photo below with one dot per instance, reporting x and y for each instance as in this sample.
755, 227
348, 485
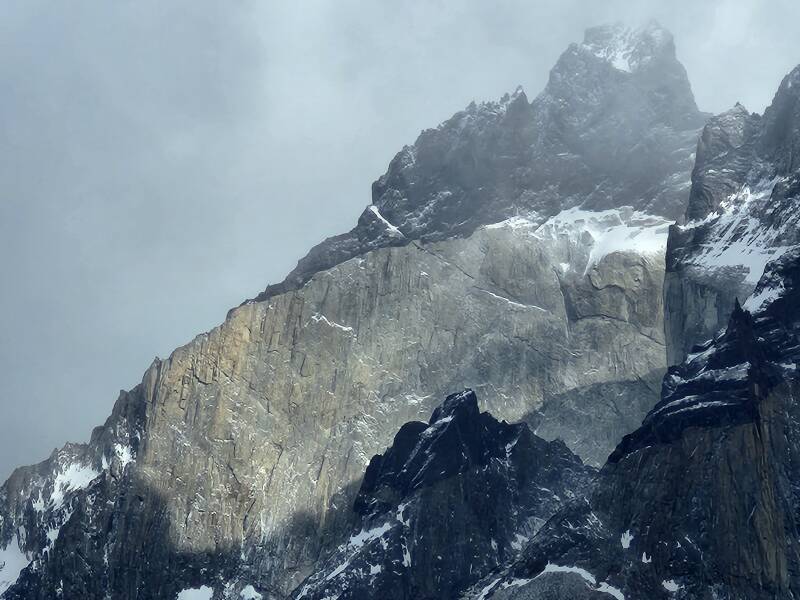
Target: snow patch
611, 591
12, 562
618, 51
517, 582
124, 454
39, 504
626, 539
249, 593
336, 572
517, 222
671, 586
519, 542
625, 48
400, 510
590, 579
406, 555
75, 477
357, 541
201, 593
511, 302
318, 318
583, 573
485, 591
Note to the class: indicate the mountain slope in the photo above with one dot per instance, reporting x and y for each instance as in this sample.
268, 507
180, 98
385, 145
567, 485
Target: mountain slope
234, 464
702, 500
741, 214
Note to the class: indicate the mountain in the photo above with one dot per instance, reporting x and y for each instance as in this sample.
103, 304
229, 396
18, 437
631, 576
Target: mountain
741, 214
701, 501
616, 126
517, 249
449, 501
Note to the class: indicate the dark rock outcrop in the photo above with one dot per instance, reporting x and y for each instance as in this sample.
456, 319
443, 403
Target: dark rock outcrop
449, 501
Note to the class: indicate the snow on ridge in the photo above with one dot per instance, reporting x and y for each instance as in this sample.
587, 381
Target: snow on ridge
626, 48
761, 299
516, 222
739, 239
618, 52
391, 228
583, 573
613, 230
485, 591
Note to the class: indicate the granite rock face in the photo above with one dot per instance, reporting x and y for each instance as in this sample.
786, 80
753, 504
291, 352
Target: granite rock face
449, 501
517, 249
742, 213
701, 501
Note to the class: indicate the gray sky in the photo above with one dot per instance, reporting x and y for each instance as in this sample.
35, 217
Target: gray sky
162, 161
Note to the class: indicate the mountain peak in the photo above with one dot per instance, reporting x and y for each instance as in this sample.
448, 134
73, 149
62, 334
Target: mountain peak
465, 403
626, 48
782, 124
615, 126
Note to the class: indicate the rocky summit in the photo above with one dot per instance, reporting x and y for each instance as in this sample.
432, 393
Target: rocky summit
448, 502
524, 249
742, 213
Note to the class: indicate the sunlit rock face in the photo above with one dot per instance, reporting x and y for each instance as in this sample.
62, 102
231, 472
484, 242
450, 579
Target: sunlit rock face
516, 249
742, 213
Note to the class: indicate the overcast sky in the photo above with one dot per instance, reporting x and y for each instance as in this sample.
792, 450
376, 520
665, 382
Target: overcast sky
162, 161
